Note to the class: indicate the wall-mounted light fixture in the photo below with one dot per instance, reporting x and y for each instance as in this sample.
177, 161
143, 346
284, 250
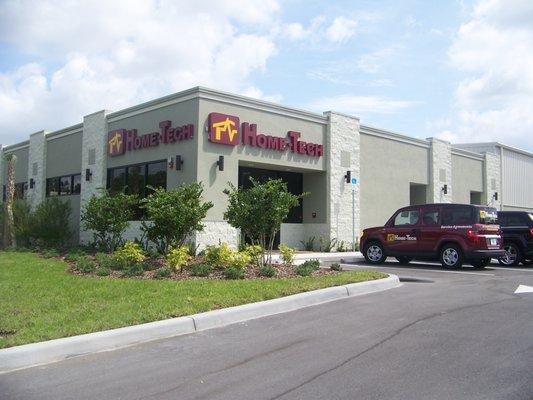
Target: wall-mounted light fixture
32, 183
495, 196
445, 189
179, 163
220, 163
170, 162
88, 174
348, 176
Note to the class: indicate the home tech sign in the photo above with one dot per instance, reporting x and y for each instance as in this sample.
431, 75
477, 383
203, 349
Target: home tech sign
225, 129
121, 140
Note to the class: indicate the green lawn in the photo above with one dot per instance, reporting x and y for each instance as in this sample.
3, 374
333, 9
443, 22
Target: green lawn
39, 300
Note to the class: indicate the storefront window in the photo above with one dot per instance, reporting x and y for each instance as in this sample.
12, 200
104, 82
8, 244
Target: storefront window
63, 185
136, 178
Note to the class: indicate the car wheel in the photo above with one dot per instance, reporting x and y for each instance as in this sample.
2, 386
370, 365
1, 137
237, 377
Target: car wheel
404, 260
480, 264
374, 253
451, 256
512, 255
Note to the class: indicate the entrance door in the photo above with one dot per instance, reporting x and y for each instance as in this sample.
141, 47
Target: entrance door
294, 182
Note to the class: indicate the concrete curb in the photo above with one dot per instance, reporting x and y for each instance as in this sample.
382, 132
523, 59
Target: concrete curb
30, 355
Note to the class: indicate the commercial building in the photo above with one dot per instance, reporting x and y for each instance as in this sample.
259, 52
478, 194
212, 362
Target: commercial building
356, 175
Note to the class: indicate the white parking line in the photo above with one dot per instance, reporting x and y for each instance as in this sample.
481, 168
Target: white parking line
511, 269
418, 269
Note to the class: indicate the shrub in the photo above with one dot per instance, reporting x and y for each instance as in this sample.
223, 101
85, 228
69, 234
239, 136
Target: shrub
255, 252
22, 217
308, 267
240, 260
219, 256
108, 217
133, 269
201, 270
174, 215
233, 273
326, 245
73, 255
162, 273
177, 258
192, 248
287, 254
335, 267
268, 271
341, 246
309, 244
85, 265
103, 271
259, 211
105, 260
130, 253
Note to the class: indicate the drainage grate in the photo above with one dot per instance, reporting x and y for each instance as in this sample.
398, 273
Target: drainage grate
415, 280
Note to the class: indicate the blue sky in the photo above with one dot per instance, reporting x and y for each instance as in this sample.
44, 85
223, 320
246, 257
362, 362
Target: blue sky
459, 70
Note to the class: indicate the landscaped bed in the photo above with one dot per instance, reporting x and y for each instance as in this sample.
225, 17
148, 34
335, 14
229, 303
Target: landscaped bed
40, 299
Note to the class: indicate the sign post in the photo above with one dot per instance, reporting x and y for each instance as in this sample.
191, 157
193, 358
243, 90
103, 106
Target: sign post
354, 182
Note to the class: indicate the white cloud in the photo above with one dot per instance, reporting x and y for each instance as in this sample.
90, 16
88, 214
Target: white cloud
494, 51
115, 54
341, 29
357, 105
296, 31
375, 61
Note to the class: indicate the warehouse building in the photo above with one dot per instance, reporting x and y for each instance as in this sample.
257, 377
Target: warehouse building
356, 175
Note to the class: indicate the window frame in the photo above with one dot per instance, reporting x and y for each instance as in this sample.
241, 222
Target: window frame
144, 166
58, 179
411, 209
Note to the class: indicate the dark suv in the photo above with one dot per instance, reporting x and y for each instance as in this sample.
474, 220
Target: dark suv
517, 232
451, 233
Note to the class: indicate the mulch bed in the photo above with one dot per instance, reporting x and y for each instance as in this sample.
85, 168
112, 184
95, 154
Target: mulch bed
252, 272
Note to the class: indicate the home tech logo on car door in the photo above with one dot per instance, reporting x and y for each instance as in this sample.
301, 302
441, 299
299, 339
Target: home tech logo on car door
223, 129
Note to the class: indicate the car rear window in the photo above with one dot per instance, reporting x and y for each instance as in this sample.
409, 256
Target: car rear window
512, 219
461, 215
530, 217
487, 215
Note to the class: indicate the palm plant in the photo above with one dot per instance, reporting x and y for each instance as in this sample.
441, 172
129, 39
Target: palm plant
9, 224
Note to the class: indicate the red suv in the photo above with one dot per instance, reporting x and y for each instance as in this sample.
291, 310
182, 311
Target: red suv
451, 233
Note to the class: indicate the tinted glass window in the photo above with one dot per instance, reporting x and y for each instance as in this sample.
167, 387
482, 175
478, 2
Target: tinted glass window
408, 217
65, 185
512, 219
487, 215
52, 187
136, 180
116, 180
431, 217
457, 215
157, 175
530, 216
76, 184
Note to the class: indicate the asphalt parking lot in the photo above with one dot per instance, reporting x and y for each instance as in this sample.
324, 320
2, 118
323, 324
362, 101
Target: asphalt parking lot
461, 334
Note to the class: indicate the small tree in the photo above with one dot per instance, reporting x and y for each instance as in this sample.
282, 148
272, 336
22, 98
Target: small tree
9, 239
108, 217
259, 211
173, 215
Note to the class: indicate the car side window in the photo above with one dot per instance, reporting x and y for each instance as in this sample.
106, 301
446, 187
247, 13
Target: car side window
457, 215
515, 220
430, 217
407, 217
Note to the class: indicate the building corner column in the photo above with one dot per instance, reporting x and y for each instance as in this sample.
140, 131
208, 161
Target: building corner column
440, 171
343, 155
36, 169
93, 161
492, 180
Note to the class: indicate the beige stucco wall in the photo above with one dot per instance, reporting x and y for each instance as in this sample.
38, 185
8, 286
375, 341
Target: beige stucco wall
387, 169
21, 167
467, 176
179, 114
63, 155
271, 123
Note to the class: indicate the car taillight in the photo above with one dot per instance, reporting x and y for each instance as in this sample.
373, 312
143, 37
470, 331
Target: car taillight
531, 231
474, 236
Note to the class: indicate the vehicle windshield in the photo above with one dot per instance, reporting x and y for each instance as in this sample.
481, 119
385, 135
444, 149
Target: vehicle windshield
488, 215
